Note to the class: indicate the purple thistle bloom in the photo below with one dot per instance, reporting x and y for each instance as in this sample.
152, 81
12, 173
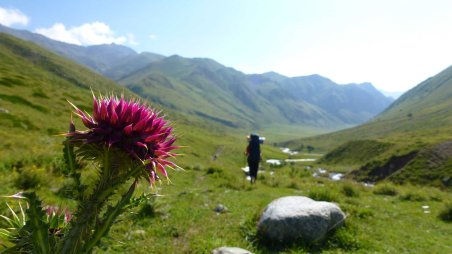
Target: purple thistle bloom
130, 127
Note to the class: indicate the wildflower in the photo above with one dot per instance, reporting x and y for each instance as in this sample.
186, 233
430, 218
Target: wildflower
130, 127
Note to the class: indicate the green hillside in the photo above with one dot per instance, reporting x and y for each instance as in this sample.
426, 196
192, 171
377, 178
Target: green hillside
201, 87
212, 92
208, 89
97, 57
34, 87
129, 64
417, 123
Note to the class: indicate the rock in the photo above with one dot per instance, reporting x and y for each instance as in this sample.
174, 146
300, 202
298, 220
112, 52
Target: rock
292, 218
230, 250
221, 209
336, 176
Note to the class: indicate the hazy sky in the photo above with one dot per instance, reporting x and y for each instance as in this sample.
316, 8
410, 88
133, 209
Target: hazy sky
395, 44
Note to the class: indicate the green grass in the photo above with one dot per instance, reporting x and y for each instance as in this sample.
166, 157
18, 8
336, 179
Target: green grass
182, 218
356, 152
386, 189
34, 87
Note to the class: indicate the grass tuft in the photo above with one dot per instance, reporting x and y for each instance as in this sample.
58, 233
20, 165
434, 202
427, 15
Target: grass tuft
386, 189
324, 195
414, 196
350, 190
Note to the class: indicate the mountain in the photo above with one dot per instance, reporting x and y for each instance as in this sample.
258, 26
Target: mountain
414, 133
207, 89
35, 85
351, 104
200, 87
130, 64
98, 57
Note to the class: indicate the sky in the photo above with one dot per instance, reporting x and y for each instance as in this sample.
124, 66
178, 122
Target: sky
394, 44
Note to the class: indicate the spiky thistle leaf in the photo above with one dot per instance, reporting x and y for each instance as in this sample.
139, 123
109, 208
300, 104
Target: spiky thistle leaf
39, 228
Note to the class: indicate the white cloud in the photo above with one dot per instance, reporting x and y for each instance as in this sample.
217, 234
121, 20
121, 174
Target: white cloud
10, 17
152, 36
131, 39
87, 34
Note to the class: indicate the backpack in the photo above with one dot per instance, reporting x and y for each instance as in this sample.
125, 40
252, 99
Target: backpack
254, 148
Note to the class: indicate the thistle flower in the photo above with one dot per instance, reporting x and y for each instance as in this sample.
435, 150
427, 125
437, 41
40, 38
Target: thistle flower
130, 127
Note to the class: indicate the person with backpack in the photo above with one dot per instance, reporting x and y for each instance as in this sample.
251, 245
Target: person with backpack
253, 153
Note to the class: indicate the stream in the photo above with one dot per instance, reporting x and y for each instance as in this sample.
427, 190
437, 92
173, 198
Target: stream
317, 173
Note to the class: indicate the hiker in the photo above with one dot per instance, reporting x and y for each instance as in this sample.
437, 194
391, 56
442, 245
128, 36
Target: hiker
253, 153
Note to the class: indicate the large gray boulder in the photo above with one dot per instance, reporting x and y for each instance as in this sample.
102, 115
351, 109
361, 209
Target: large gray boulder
230, 250
292, 218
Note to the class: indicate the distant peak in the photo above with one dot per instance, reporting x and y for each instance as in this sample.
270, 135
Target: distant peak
316, 78
175, 56
271, 73
274, 76
366, 84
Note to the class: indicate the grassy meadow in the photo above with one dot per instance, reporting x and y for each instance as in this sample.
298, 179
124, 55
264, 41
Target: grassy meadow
180, 217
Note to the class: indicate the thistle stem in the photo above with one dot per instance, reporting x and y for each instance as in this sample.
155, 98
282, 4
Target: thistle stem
113, 212
89, 210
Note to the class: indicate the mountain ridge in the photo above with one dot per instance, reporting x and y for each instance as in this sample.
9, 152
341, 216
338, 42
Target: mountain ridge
96, 57
231, 96
248, 91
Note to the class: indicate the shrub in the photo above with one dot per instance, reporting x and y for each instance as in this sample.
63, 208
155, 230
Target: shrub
350, 190
215, 171
147, 209
293, 185
446, 213
386, 189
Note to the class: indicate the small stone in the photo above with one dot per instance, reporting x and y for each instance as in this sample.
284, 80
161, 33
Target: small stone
221, 209
230, 250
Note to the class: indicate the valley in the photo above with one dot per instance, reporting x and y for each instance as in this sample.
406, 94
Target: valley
400, 149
